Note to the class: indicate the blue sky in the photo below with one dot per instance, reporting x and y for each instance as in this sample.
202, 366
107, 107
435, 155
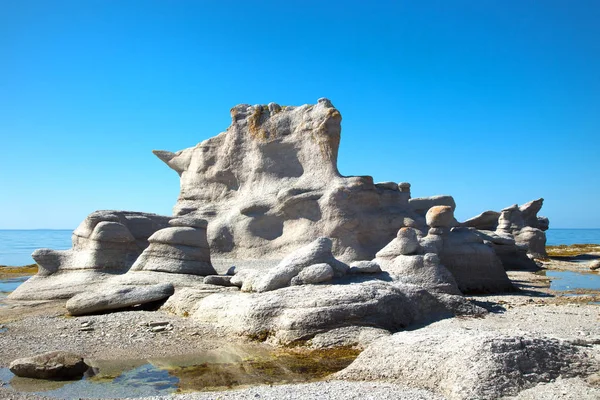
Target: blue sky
493, 102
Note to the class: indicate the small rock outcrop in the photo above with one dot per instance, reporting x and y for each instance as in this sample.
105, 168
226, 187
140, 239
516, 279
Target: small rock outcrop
406, 261
294, 265
56, 365
520, 223
181, 248
106, 243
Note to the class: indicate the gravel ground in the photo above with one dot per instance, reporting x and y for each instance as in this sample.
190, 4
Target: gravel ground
330, 390
108, 336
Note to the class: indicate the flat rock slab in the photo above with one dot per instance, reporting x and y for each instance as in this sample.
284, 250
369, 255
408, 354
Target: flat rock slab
58, 365
117, 298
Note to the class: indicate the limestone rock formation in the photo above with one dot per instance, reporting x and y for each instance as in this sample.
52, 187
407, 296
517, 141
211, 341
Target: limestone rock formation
57, 365
520, 223
270, 184
105, 243
106, 240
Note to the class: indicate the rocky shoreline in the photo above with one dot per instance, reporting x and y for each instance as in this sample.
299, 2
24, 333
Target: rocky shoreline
533, 311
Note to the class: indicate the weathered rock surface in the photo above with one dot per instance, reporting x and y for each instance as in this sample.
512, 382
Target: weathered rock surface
473, 264
513, 256
469, 365
270, 184
348, 336
487, 220
57, 365
117, 298
300, 312
422, 270
317, 252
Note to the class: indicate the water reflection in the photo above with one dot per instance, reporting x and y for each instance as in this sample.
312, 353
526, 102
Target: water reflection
219, 369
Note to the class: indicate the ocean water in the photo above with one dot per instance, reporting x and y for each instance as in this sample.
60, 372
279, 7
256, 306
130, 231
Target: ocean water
572, 236
16, 246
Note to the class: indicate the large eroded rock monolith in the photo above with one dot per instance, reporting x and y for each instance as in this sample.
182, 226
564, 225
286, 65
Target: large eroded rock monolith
270, 184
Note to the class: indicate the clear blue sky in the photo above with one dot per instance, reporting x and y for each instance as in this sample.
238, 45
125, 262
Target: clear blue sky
493, 102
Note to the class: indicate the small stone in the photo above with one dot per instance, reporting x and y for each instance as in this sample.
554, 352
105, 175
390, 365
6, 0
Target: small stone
594, 265
53, 365
158, 323
219, 280
156, 329
86, 329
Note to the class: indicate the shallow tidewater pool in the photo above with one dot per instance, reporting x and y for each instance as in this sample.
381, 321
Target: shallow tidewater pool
571, 280
9, 284
219, 369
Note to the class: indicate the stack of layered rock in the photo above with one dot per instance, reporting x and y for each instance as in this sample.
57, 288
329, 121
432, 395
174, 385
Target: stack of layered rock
182, 248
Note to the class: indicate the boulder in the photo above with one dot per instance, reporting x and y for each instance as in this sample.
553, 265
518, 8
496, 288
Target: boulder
55, 365
312, 274
114, 298
178, 249
440, 217
244, 279
317, 252
595, 265
467, 364
364, 267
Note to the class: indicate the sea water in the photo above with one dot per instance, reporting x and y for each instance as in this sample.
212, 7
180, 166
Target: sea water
16, 246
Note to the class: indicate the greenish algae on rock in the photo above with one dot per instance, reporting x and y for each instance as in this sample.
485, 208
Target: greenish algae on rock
284, 366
